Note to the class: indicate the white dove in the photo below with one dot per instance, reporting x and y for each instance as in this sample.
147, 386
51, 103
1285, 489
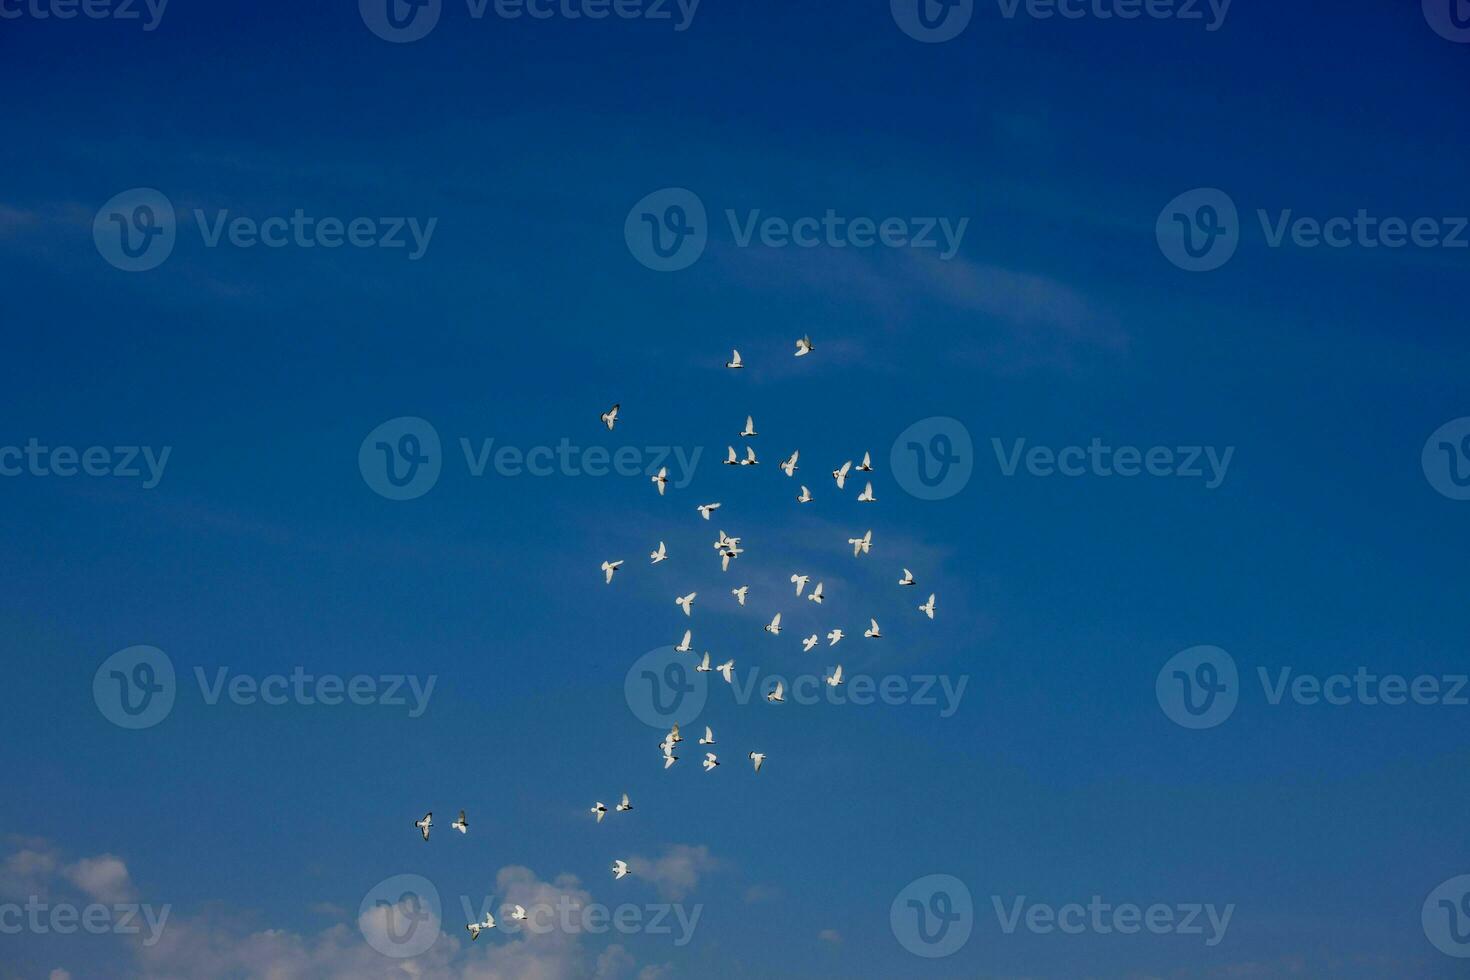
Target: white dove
685, 602
620, 869
749, 429
840, 474
730, 458
799, 581
610, 417
706, 509
866, 497
703, 666
774, 626
866, 466
928, 608
661, 479
756, 758
835, 678
624, 806
777, 696
872, 631
789, 466
518, 913
808, 643
658, 554
608, 567
816, 595
727, 671
461, 824
684, 645
599, 810
861, 545
834, 636
908, 578
710, 761
424, 824
749, 459
803, 347
709, 737
734, 362
489, 923
806, 496
739, 593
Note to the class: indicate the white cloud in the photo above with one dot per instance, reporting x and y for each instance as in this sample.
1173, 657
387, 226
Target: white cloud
104, 878
677, 871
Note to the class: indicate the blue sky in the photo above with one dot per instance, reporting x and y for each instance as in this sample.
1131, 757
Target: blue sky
1325, 547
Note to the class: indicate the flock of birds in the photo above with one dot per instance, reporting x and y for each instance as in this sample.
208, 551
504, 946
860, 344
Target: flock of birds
728, 549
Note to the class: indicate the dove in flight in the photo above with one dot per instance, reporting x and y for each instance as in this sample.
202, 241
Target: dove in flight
803, 347
861, 545
834, 636
599, 810
703, 666
789, 465
475, 927
928, 608
610, 417
730, 458
866, 466
840, 474
684, 645
620, 869
835, 678
518, 913
808, 643
624, 806
778, 695
908, 578
461, 825
727, 671
710, 761
685, 602
872, 631
756, 759
749, 459
774, 626
660, 479
749, 429
866, 497
706, 509
424, 824
658, 554
816, 595
739, 593
734, 363
608, 567
806, 496
709, 737
799, 581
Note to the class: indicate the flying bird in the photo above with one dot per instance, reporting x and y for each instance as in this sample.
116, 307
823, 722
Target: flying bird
808, 643
660, 479
872, 632
610, 417
866, 466
928, 608
734, 362
608, 567
730, 458
774, 626
518, 913
789, 466
703, 666
727, 671
908, 578
800, 581
866, 497
684, 645
710, 761
461, 825
739, 593
756, 759
706, 509
749, 459
624, 806
840, 474
749, 429
834, 636
776, 696
861, 545
816, 595
835, 678
806, 496
709, 737
804, 347
674, 736
658, 554
424, 824
685, 602
475, 927
599, 810
620, 869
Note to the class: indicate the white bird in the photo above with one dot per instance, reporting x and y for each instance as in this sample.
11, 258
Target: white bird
669, 758
861, 545
776, 696
872, 632
803, 347
725, 541
928, 608
424, 824
749, 429
816, 595
659, 554
749, 459
461, 824
866, 497
706, 509
620, 869
774, 626
684, 645
835, 678
808, 643
709, 737
806, 496
624, 806
685, 602
866, 466
608, 567
734, 362
703, 666
789, 466
730, 458
908, 578
834, 636
610, 417
518, 913
674, 736
800, 581
599, 810
710, 761
661, 479
840, 474
727, 671
756, 758
726, 555
739, 593
475, 927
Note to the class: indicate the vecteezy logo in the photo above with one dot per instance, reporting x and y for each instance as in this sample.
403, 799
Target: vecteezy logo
662, 688
400, 916
401, 459
1446, 459
1199, 230
134, 688
933, 458
933, 916
1449, 18
667, 230
932, 21
400, 21
1198, 687
1446, 917
135, 230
